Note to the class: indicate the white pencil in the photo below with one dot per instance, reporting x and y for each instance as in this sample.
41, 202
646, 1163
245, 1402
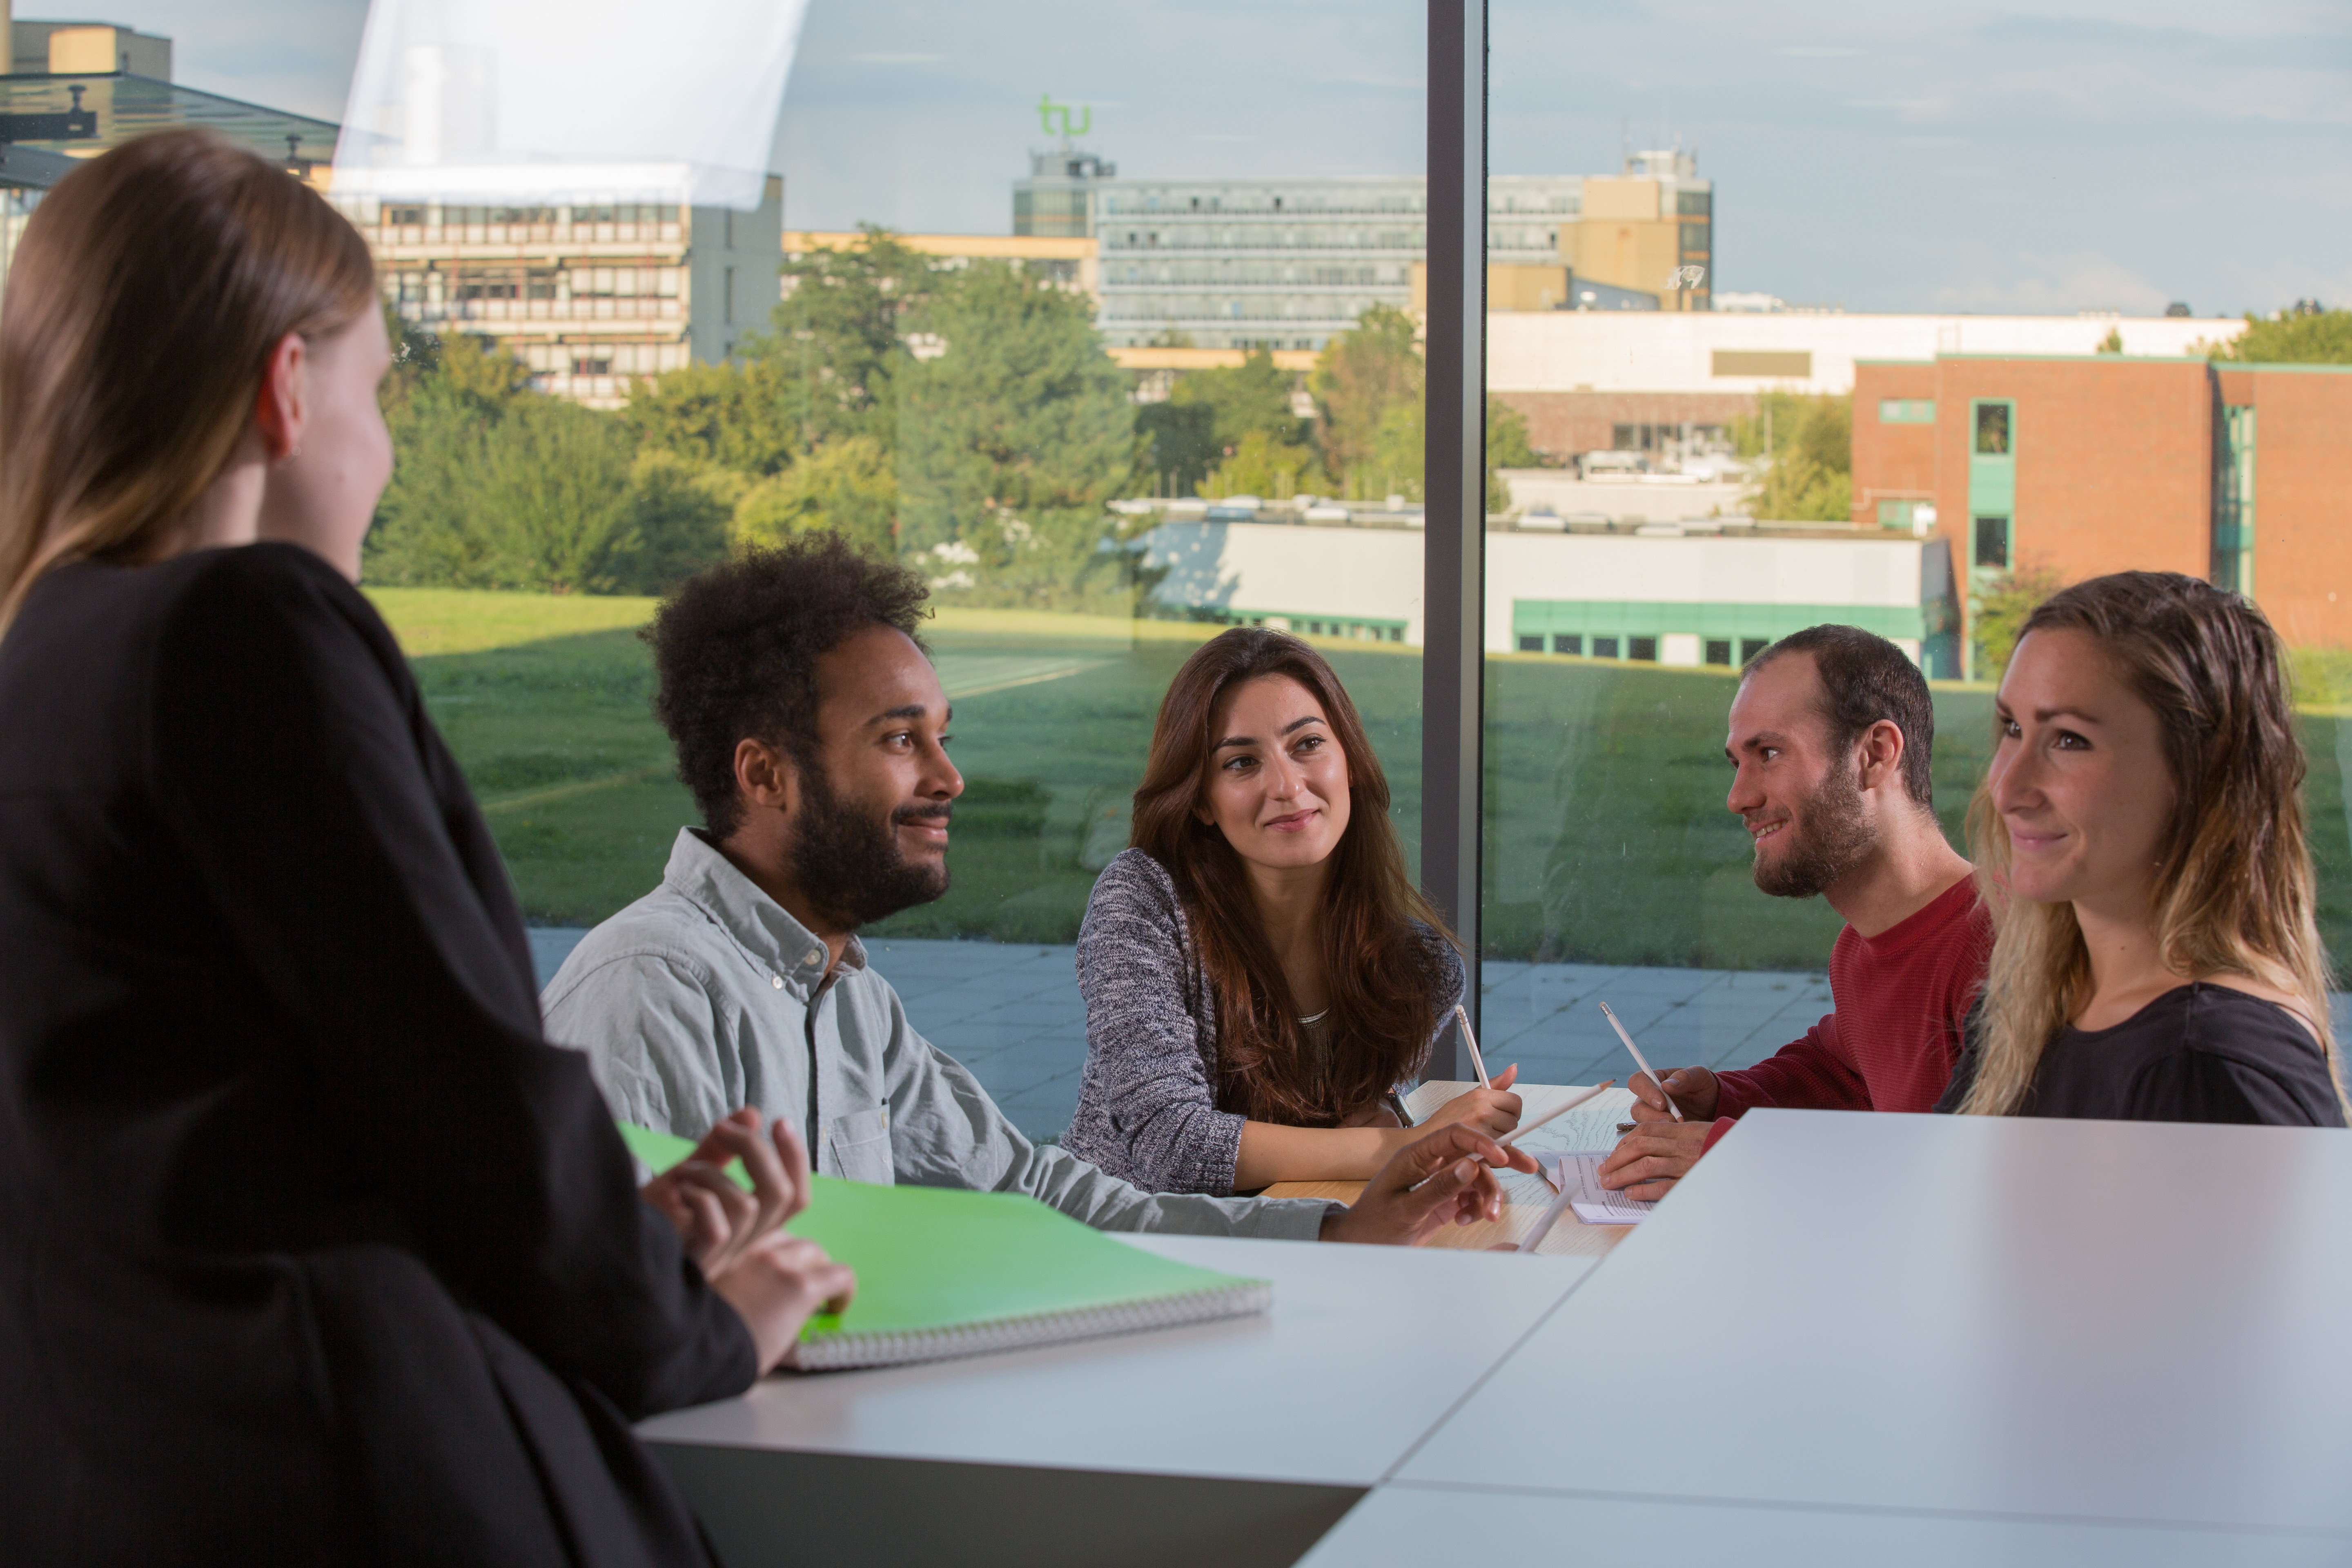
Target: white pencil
1524, 1128
1477, 1062
1563, 1108
1534, 1238
1645, 1066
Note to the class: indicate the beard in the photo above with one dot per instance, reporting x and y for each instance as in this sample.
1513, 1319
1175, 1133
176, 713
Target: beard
1828, 836
847, 857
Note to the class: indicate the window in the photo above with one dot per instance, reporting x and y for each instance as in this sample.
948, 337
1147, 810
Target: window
1992, 543
1906, 411
1992, 430
1905, 512
1568, 642
1718, 650
1532, 645
1604, 647
1645, 649
1750, 647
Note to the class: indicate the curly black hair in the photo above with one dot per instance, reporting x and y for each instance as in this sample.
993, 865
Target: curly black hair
735, 652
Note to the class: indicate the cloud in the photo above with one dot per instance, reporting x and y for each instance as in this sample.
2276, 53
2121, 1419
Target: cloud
2057, 285
898, 59
1818, 52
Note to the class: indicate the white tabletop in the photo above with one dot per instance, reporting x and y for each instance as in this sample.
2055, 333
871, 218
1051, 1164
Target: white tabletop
1415, 1527
2128, 1323
1365, 1349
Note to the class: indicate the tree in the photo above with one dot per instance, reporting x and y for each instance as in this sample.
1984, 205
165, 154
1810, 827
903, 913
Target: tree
847, 486
2113, 343
1362, 379
1808, 475
1209, 414
2001, 607
1259, 465
1015, 430
737, 416
2306, 334
837, 348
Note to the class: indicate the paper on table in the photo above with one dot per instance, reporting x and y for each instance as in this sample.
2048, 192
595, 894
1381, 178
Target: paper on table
1592, 1125
1594, 1203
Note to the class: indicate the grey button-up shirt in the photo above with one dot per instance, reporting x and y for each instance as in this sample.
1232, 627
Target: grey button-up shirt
704, 994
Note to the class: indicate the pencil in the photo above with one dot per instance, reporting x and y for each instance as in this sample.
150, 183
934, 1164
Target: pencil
1477, 1063
1565, 1106
1645, 1066
1552, 1214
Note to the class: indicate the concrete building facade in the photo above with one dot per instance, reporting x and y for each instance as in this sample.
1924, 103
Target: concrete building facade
1669, 595
2082, 465
591, 298
1593, 381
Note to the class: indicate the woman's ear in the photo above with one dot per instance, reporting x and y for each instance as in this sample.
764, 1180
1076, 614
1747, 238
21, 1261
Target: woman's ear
281, 406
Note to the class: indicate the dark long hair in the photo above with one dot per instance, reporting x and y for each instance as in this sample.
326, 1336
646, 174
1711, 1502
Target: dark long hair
1387, 979
145, 297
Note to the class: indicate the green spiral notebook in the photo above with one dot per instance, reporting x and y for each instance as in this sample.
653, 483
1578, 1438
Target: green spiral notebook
944, 1273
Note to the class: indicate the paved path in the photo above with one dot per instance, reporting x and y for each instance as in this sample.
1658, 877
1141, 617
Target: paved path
1012, 1013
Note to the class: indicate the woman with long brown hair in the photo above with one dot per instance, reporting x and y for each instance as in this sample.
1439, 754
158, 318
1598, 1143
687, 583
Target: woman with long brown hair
312, 1249
2139, 836
1260, 974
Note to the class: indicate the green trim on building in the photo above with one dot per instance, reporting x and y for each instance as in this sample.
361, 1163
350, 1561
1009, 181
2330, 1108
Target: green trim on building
2233, 501
1625, 618
1906, 411
1315, 623
1992, 483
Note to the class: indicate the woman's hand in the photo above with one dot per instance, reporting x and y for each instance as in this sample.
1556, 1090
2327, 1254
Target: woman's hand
1443, 1178
1493, 1111
716, 1218
775, 1284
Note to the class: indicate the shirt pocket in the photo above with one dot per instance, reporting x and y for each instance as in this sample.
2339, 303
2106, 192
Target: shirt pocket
861, 1146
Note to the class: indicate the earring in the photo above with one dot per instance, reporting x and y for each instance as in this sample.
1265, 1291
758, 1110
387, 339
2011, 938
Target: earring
292, 453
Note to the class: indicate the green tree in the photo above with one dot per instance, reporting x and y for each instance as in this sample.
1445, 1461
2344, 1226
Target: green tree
1259, 465
848, 486
679, 515
2001, 604
1014, 429
2113, 343
1369, 383
1177, 447
838, 344
1506, 438
1808, 470
2307, 333
1207, 415
731, 415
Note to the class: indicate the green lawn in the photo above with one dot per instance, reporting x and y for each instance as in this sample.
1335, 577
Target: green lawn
1608, 838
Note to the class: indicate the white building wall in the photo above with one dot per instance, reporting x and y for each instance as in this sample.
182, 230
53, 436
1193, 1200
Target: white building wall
1375, 573
1640, 351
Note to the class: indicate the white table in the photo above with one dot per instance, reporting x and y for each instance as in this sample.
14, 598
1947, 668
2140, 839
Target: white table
1238, 1442
1927, 1340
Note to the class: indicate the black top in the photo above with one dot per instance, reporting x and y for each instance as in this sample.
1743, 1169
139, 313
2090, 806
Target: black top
2198, 1053
312, 1248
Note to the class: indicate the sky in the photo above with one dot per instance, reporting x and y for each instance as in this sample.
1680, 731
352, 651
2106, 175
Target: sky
2099, 154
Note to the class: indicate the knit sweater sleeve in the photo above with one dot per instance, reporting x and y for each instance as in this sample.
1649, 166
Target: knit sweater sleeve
1146, 1104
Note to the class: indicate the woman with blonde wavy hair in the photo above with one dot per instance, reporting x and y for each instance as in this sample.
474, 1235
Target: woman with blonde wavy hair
2139, 836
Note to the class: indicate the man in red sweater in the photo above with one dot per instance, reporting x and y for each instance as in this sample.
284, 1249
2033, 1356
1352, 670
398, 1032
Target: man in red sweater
1830, 738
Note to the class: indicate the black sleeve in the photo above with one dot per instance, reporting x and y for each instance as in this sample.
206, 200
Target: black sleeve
2209, 1086
290, 770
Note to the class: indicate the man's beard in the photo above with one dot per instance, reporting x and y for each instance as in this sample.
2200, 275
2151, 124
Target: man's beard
848, 861
1828, 836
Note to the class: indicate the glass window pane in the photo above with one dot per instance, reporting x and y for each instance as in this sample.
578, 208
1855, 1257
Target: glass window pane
1916, 413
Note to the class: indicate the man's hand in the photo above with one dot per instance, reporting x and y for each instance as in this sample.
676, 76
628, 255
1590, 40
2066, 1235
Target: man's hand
1648, 1160
716, 1219
1449, 1167
1694, 1089
1493, 1111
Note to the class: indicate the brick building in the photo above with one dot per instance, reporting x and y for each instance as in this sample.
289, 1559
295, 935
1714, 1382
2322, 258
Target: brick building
2088, 464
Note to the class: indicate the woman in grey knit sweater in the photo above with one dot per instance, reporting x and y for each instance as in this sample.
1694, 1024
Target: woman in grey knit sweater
1259, 973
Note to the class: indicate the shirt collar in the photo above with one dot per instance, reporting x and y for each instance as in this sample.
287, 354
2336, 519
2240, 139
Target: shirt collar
788, 950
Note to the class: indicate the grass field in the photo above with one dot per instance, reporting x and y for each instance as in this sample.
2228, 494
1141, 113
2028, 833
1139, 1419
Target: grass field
1607, 841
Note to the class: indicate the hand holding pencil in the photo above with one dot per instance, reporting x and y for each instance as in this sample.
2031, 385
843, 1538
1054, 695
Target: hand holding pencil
1694, 1090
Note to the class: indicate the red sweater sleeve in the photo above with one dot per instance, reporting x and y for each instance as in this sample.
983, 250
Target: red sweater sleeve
1817, 1072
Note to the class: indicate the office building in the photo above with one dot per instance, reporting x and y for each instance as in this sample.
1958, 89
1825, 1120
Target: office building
2094, 463
590, 296
1067, 260
1686, 595
1595, 380
1057, 200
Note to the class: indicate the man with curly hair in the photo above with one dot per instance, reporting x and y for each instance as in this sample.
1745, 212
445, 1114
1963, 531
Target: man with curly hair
812, 729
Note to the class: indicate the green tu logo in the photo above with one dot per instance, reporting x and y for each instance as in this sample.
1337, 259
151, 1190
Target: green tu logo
1047, 110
